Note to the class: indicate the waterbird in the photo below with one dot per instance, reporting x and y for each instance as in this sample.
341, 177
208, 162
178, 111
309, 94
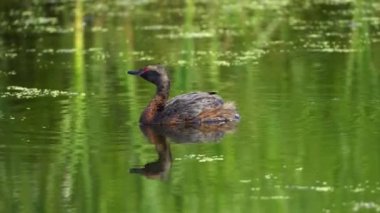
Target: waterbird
200, 108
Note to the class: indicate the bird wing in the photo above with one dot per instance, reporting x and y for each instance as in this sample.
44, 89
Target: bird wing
189, 106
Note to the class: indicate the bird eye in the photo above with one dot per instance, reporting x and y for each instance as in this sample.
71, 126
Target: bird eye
144, 70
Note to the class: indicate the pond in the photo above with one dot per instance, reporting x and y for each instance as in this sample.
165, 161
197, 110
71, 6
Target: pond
304, 75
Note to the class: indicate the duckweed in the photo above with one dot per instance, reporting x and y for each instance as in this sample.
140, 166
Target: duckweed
28, 93
303, 74
202, 158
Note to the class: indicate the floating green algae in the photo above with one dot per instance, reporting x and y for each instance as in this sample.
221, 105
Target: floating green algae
202, 158
29, 93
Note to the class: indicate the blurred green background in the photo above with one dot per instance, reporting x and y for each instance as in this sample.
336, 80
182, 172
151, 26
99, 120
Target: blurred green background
303, 74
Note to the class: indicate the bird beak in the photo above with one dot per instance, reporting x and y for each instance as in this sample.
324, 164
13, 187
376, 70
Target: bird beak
134, 72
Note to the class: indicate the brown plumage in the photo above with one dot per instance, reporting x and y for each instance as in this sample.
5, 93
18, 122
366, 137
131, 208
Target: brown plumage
191, 108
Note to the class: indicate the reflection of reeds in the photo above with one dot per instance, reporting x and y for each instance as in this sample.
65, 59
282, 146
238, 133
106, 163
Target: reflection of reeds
74, 150
360, 68
292, 114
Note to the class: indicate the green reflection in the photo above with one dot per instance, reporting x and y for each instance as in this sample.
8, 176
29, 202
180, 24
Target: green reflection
304, 75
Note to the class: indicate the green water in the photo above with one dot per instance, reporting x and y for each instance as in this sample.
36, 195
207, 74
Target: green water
305, 76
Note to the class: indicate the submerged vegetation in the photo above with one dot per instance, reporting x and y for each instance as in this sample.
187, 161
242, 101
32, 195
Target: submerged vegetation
304, 75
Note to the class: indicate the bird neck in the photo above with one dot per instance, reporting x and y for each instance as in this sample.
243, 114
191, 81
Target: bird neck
157, 104
163, 89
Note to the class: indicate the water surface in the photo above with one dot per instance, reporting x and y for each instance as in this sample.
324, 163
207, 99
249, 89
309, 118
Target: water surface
304, 76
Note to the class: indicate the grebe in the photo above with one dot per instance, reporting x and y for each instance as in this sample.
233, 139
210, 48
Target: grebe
191, 108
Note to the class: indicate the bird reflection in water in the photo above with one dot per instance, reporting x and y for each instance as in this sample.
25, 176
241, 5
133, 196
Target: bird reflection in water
159, 168
181, 134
